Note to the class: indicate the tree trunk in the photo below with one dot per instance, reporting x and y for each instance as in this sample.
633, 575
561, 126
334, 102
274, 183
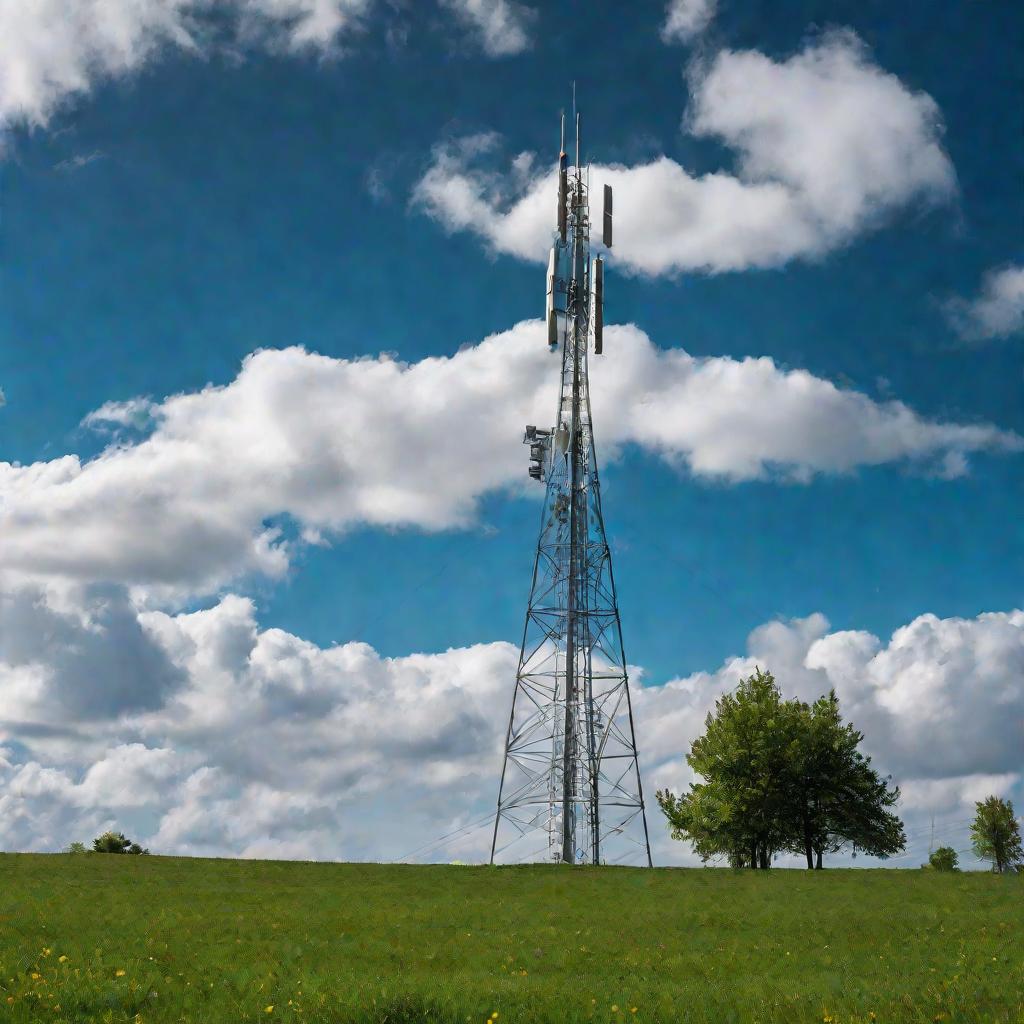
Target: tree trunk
808, 849
753, 855
817, 866
765, 863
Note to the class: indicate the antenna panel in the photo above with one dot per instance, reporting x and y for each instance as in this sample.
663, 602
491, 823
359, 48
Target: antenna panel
607, 234
552, 283
563, 190
598, 305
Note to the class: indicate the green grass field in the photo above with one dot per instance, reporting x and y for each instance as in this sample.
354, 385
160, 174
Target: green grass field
147, 939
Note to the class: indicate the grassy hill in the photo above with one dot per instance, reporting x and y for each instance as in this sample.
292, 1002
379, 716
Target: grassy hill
152, 939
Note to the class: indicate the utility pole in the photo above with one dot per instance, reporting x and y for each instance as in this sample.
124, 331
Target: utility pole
571, 776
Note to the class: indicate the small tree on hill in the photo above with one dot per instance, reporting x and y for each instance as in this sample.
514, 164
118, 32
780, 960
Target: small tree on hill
116, 842
839, 798
996, 834
944, 859
76, 847
737, 812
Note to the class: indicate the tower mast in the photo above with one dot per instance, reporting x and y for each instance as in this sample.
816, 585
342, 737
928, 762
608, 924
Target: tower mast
571, 770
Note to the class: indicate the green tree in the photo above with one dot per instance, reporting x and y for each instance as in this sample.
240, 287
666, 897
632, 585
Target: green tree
996, 834
837, 797
116, 842
738, 811
76, 847
781, 775
944, 859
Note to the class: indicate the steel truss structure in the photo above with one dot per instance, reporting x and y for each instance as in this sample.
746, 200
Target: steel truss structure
570, 782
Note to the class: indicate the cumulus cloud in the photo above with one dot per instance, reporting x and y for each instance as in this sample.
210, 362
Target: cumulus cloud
501, 25
81, 649
268, 745
996, 312
57, 48
212, 490
52, 50
827, 145
912, 694
685, 19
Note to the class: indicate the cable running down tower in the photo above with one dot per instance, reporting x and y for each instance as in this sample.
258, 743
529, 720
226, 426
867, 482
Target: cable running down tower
570, 783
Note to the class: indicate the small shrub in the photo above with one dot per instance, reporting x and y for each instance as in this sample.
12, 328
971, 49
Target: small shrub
944, 859
116, 842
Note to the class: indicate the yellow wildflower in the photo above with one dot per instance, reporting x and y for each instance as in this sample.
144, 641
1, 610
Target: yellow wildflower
63, 959
269, 1009
35, 977
119, 973
615, 1009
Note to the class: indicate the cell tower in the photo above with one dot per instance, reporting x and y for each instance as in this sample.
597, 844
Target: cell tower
571, 779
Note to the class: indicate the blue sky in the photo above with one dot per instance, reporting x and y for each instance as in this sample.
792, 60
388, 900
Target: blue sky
170, 207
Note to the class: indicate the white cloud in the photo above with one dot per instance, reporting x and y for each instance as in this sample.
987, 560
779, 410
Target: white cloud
301, 24
53, 50
502, 25
685, 19
211, 492
78, 161
997, 312
136, 412
827, 146
944, 698
268, 745
81, 649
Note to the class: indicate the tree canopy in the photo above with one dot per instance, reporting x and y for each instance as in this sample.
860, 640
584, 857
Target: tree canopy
945, 858
115, 842
996, 834
781, 776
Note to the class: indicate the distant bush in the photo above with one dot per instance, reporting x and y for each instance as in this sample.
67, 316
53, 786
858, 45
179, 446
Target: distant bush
115, 842
76, 848
944, 859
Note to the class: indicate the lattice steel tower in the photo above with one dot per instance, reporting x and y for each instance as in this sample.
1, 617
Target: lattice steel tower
571, 779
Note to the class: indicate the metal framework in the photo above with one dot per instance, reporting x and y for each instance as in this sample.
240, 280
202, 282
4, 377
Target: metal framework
570, 783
